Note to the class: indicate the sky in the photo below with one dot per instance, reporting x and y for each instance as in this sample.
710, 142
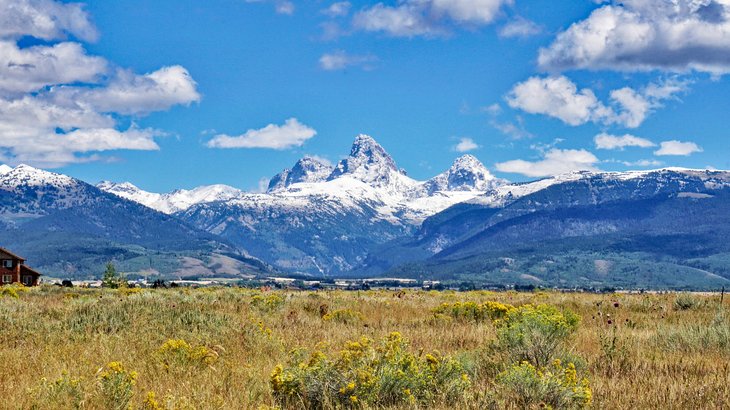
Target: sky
176, 94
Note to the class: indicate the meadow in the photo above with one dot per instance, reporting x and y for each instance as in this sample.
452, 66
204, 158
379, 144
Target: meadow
235, 348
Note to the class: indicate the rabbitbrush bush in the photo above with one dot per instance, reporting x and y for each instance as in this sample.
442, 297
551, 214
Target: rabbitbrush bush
369, 374
555, 386
536, 334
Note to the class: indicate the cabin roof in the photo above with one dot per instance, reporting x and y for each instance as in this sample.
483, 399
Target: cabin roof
26, 269
4, 253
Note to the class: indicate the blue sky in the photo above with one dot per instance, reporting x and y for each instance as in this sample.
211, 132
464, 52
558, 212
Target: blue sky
176, 94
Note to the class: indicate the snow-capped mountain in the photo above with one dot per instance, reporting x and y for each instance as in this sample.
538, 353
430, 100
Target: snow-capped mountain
307, 169
71, 229
41, 191
645, 225
176, 201
318, 218
466, 174
4, 169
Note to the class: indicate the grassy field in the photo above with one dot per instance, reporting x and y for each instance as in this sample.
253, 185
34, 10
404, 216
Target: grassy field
234, 348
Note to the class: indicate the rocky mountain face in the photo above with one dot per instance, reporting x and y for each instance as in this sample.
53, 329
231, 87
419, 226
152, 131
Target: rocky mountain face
67, 227
307, 169
324, 220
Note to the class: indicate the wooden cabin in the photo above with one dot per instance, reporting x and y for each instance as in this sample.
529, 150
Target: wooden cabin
14, 270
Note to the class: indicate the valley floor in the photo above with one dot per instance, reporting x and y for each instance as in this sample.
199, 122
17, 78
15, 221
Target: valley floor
230, 348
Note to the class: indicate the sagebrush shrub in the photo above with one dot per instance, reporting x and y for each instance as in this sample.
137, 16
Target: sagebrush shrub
368, 374
558, 387
535, 334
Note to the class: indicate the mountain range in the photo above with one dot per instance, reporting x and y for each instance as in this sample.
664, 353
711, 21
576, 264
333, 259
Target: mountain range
364, 216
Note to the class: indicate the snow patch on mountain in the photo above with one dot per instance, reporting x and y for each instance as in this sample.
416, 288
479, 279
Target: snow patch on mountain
4, 169
172, 202
503, 195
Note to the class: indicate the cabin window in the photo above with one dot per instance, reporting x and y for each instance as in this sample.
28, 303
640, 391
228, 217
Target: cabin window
7, 278
27, 280
7, 263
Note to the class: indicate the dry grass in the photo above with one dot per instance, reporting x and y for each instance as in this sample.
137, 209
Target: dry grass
652, 355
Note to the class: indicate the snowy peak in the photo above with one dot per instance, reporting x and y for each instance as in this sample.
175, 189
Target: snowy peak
467, 173
25, 175
4, 169
307, 169
370, 163
172, 202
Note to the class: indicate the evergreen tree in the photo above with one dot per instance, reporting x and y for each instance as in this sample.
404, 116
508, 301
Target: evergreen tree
112, 279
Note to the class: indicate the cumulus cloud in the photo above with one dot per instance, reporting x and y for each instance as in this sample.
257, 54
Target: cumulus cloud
128, 93
339, 9
465, 145
641, 35
411, 18
30, 69
559, 97
44, 19
555, 161
59, 105
340, 60
291, 134
677, 148
619, 142
520, 27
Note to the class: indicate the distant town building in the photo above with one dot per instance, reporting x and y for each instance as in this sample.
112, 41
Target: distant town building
14, 270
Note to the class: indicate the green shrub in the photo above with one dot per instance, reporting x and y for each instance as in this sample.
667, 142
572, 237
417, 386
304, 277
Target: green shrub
117, 386
535, 334
557, 387
63, 393
686, 301
364, 374
698, 337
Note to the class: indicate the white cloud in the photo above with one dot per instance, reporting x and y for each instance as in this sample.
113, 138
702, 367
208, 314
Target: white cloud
59, 105
406, 20
520, 27
30, 69
640, 35
44, 19
469, 11
340, 60
559, 97
678, 148
465, 145
643, 163
608, 141
291, 134
128, 93
339, 9
555, 161
280, 6
556, 97
411, 18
